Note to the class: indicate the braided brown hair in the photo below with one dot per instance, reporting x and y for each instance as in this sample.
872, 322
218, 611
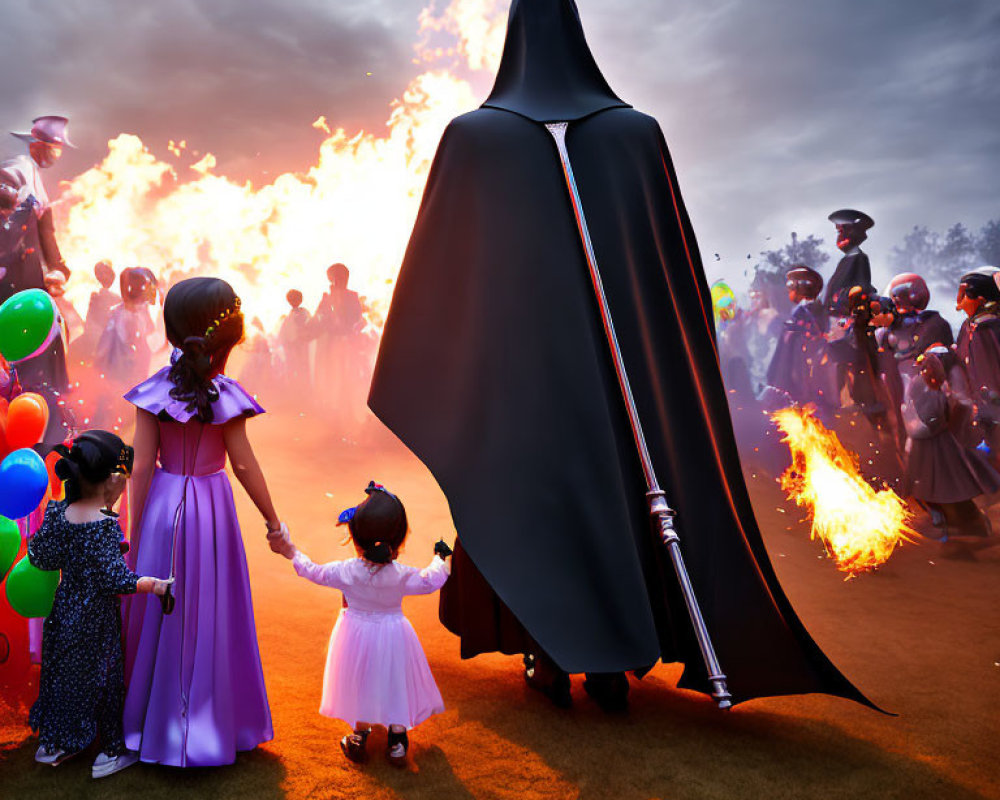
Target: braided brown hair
204, 321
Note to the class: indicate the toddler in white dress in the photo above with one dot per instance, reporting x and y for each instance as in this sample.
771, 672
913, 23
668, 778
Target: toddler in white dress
376, 671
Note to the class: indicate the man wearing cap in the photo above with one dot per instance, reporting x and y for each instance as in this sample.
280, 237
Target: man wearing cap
854, 268
46, 141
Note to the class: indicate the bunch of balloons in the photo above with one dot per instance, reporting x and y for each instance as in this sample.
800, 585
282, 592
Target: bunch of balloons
29, 322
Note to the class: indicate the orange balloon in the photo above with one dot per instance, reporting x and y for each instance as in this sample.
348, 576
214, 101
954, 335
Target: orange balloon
27, 418
56, 488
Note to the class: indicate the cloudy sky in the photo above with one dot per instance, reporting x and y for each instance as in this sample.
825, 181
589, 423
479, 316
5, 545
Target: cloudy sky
777, 111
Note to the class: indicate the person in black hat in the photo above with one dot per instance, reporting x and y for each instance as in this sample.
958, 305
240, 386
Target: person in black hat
854, 268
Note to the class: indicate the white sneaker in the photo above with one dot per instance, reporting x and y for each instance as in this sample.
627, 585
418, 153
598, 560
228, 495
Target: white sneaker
51, 757
105, 765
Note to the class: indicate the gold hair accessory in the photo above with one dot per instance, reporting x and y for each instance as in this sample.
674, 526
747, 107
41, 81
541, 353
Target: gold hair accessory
228, 314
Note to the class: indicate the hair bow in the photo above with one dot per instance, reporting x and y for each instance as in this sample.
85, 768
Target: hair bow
346, 515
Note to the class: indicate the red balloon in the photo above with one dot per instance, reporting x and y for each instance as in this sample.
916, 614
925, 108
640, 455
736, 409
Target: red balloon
27, 418
56, 488
4, 449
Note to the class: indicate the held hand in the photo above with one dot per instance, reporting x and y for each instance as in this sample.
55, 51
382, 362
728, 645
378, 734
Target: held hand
280, 541
160, 587
442, 549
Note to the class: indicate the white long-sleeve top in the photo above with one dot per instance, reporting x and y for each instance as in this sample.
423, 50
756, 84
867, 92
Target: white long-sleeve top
372, 588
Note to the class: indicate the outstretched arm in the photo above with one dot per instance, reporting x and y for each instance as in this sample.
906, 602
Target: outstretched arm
247, 470
146, 443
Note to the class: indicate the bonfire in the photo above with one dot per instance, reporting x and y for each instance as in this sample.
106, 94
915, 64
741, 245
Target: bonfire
859, 526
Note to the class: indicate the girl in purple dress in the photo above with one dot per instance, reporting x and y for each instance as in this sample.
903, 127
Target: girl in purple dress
195, 685
376, 671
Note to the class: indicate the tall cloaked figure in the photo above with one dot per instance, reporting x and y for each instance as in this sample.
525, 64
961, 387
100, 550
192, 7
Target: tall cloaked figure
496, 371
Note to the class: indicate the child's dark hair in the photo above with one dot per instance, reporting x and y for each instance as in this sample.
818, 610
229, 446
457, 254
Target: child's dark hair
203, 321
93, 457
980, 284
379, 525
294, 298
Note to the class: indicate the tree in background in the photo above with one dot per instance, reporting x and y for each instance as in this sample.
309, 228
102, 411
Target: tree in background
942, 259
989, 243
769, 273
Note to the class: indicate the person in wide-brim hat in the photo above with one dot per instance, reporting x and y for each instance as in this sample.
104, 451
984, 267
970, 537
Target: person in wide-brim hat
50, 130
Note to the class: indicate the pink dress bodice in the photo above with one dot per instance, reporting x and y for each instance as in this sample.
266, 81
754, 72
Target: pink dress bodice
191, 448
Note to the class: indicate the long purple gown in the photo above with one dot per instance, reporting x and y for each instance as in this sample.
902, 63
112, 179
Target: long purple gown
196, 691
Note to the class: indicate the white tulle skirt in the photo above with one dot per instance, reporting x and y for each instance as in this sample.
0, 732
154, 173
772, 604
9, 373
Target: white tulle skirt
376, 672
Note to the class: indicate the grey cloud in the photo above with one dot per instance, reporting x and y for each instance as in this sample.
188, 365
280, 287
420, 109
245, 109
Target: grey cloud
776, 111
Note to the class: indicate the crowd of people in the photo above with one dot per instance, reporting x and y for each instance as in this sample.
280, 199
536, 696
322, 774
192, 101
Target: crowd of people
931, 401
326, 355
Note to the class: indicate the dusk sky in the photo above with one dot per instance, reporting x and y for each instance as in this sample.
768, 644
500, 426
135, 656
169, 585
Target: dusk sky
777, 111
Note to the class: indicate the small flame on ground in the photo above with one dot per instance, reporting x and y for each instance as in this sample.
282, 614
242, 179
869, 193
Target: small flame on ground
859, 526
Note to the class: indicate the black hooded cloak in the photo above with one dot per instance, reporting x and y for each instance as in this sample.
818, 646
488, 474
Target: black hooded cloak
495, 371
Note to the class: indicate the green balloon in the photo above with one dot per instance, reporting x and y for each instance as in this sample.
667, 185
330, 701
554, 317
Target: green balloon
10, 543
26, 321
30, 591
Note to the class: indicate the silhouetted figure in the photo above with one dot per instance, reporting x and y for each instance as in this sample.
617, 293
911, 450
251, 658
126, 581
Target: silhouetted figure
337, 323
295, 336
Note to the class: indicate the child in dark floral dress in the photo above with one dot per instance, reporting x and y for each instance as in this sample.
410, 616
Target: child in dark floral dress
82, 683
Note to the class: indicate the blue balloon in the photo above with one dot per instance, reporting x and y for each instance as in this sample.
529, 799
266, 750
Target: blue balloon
23, 483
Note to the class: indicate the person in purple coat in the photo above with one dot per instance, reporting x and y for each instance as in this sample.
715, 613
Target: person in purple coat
941, 471
799, 368
978, 347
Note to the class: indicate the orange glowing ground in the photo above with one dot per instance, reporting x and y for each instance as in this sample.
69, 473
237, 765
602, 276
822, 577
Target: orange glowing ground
859, 526
919, 638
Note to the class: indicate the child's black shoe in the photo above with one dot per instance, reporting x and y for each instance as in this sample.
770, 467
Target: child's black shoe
395, 751
355, 746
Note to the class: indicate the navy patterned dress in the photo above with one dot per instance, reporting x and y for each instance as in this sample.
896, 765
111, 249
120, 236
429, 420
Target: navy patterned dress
82, 685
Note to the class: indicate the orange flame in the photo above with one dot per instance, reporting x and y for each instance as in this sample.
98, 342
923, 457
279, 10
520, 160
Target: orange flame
859, 526
357, 204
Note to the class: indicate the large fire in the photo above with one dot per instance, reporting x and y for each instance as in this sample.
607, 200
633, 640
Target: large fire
859, 526
356, 204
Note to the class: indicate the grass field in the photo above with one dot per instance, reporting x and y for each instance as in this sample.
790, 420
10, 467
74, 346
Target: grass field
921, 638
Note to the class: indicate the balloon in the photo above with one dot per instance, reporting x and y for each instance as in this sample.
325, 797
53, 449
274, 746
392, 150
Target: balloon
56, 488
27, 419
23, 481
10, 543
4, 449
28, 321
30, 591
58, 327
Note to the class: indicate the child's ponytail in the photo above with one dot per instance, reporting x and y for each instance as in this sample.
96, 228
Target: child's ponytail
92, 458
204, 322
378, 553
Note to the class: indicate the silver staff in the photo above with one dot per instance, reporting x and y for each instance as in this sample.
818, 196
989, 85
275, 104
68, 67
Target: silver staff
658, 508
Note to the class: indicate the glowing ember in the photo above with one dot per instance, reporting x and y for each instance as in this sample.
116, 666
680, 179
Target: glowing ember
859, 526
356, 204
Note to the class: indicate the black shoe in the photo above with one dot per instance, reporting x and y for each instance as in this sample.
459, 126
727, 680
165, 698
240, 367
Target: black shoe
545, 677
355, 746
397, 748
609, 690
